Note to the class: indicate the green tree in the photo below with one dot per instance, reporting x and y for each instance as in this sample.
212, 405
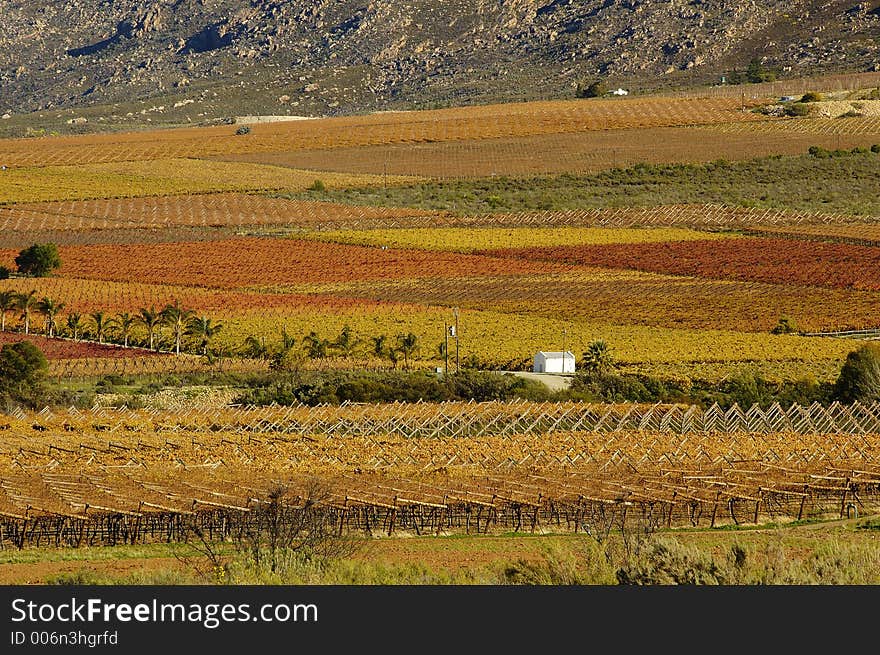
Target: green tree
735, 77
593, 90
757, 72
288, 341
125, 322
8, 302
50, 308
26, 303
380, 346
347, 341
859, 378
151, 320
176, 318
38, 260
203, 329
598, 358
22, 370
285, 358
315, 346
75, 324
253, 348
101, 322
407, 345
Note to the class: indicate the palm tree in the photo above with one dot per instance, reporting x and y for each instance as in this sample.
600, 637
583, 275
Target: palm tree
253, 348
26, 302
101, 324
316, 347
204, 330
176, 317
407, 344
74, 324
125, 322
597, 358
50, 308
287, 341
8, 302
151, 320
380, 346
346, 342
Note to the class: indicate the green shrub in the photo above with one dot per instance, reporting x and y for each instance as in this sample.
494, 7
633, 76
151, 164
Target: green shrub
561, 566
669, 562
812, 96
23, 368
784, 326
859, 378
757, 72
391, 386
244, 129
798, 109
593, 90
875, 148
38, 260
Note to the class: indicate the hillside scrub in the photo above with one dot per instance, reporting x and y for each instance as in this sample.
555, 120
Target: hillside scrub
845, 183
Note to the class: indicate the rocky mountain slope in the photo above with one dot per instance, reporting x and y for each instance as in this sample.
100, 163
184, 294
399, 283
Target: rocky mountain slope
337, 56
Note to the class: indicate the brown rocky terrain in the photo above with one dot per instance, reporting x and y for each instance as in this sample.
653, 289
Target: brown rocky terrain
340, 56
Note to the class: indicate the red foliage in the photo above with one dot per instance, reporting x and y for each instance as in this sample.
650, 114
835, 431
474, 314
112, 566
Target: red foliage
254, 262
786, 261
65, 349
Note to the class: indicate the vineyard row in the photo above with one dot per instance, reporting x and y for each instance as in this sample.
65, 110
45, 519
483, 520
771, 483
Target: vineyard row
472, 419
578, 503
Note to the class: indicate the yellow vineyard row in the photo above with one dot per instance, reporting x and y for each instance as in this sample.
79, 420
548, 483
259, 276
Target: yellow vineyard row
471, 239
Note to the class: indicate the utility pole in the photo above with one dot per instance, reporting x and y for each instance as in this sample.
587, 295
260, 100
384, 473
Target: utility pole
446, 349
457, 358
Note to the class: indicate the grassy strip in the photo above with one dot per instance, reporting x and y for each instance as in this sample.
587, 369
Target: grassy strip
845, 183
806, 552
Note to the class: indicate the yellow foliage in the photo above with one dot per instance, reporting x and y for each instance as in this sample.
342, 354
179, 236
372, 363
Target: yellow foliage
471, 239
499, 338
167, 177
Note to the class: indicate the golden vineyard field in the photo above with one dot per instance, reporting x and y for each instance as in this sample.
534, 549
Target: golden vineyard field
191, 216
86, 476
456, 124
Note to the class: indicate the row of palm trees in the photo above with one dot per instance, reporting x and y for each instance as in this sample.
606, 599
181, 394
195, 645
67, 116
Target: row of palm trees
180, 321
347, 344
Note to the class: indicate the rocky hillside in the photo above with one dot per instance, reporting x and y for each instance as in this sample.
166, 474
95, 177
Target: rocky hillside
336, 56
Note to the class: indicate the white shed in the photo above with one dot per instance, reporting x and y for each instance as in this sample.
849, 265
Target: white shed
554, 362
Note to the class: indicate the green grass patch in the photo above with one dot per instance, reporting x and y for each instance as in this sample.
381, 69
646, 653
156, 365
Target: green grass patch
847, 184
